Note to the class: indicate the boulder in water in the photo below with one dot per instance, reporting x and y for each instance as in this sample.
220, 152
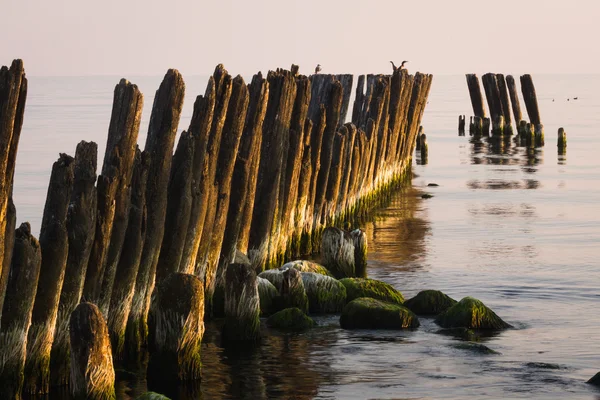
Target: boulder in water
306, 266
268, 295
470, 313
364, 287
290, 319
367, 313
595, 380
429, 302
325, 294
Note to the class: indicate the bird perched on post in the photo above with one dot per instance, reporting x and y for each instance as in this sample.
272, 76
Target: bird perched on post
318, 68
402, 65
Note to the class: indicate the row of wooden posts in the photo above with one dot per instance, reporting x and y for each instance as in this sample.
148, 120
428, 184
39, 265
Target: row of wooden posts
261, 169
498, 91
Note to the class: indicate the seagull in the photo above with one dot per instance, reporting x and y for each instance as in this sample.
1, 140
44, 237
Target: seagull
318, 68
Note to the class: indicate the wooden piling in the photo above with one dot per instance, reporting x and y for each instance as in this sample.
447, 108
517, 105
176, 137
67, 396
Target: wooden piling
477, 126
16, 314
514, 98
461, 125
492, 94
346, 82
350, 133
81, 228
337, 252
562, 139
13, 94
498, 126
176, 328
476, 97
359, 238
503, 92
242, 305
530, 99
486, 126
424, 149
129, 262
292, 291
164, 120
92, 372
54, 245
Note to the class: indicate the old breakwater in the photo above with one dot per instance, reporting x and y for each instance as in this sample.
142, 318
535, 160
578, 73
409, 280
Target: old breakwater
261, 170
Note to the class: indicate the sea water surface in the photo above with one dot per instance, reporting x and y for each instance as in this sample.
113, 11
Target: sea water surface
518, 230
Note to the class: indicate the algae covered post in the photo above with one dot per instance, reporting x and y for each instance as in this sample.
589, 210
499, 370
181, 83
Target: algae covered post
242, 305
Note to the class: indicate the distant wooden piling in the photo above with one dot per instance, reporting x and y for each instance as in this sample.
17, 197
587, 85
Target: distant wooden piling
503, 92
18, 307
359, 238
242, 305
562, 139
478, 126
81, 228
129, 262
475, 94
461, 125
54, 245
486, 123
292, 291
530, 98
337, 252
424, 149
164, 120
13, 93
92, 371
498, 125
176, 328
492, 94
514, 98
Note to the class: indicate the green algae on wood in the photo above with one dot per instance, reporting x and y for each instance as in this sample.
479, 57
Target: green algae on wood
325, 294
242, 304
292, 291
367, 313
472, 314
337, 251
290, 319
429, 302
361, 287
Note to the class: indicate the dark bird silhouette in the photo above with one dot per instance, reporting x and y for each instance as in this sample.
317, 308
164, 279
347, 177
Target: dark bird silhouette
318, 68
402, 65
575, 98
394, 66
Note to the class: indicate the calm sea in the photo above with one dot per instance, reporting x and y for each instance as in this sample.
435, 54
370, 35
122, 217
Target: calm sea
519, 231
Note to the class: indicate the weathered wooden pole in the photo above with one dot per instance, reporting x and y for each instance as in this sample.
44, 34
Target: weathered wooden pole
405, 100
300, 212
347, 165
514, 98
92, 372
118, 158
230, 141
498, 126
81, 228
476, 97
282, 93
530, 99
486, 126
424, 149
176, 328
224, 86
16, 315
346, 81
337, 252
129, 262
359, 238
335, 176
421, 88
200, 126
503, 92
477, 126
243, 181
492, 94
250, 148
179, 205
359, 100
13, 93
562, 140
164, 120
292, 291
54, 244
242, 304
461, 125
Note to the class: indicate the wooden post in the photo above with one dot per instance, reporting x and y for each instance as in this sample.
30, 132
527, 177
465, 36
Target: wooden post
232, 133
118, 158
16, 315
335, 176
492, 94
486, 126
164, 120
562, 140
81, 228
250, 147
514, 98
359, 101
292, 291
176, 328
530, 99
13, 93
242, 305
471, 127
337, 252
359, 238
539, 135
200, 126
424, 149
92, 372
179, 205
124, 286
346, 82
301, 216
346, 170
461, 125
498, 126
476, 97
477, 126
503, 92
55, 248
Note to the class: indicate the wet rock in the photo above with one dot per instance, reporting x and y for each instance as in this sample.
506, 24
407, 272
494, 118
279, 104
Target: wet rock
429, 302
268, 294
367, 313
426, 196
290, 319
306, 266
476, 348
595, 380
470, 313
274, 276
433, 185
152, 396
360, 287
325, 294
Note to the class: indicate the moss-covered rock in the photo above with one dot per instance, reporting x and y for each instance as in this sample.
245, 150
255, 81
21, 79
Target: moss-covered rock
325, 294
274, 276
268, 294
363, 287
595, 380
306, 266
367, 313
470, 313
152, 396
290, 319
429, 302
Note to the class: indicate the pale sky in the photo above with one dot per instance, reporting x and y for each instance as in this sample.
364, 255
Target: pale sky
145, 37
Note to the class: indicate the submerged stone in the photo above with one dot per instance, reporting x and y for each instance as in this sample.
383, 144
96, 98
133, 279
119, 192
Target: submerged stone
367, 313
476, 348
325, 294
152, 396
595, 380
268, 294
472, 314
429, 302
306, 266
426, 196
290, 319
364, 287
